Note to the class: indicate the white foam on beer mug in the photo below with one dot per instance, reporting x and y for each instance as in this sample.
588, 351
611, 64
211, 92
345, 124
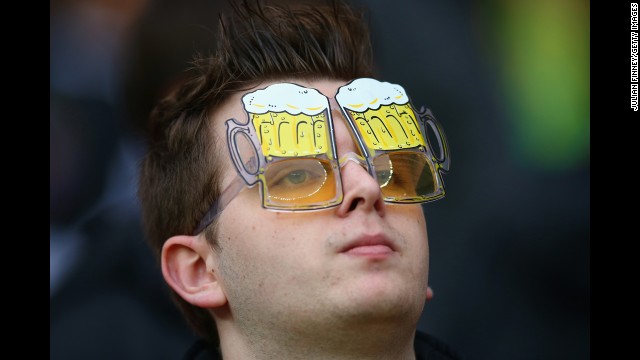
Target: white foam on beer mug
291, 98
366, 93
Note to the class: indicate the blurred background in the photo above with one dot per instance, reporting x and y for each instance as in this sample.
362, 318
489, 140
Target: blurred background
509, 81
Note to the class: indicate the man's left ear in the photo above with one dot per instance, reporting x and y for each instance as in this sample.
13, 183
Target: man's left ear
184, 267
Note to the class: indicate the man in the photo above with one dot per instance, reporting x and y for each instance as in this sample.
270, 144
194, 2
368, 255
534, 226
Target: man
284, 209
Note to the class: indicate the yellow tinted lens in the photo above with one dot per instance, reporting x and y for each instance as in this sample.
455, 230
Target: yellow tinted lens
405, 175
299, 182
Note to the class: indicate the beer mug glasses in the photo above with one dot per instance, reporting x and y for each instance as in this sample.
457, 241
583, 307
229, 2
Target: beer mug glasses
393, 140
288, 146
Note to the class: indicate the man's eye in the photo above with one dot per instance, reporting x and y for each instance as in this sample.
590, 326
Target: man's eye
296, 177
384, 176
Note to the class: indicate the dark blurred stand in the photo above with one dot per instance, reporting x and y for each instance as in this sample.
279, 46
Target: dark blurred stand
107, 296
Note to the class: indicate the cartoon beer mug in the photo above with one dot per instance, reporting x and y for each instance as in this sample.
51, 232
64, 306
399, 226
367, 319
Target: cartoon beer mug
394, 141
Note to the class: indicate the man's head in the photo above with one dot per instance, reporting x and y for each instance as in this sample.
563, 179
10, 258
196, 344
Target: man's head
360, 265
181, 174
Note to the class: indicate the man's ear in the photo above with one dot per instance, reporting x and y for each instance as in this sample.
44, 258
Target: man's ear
184, 267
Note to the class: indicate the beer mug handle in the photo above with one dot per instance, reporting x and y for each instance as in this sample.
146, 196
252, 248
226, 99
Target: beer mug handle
443, 156
248, 167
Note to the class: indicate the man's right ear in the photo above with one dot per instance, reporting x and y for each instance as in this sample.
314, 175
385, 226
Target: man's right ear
184, 267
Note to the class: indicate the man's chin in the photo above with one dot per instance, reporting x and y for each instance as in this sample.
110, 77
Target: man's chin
377, 300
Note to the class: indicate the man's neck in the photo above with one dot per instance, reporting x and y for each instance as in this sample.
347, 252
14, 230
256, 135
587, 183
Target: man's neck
339, 344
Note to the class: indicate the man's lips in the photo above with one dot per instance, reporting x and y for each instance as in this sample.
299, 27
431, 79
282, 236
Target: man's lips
370, 250
369, 245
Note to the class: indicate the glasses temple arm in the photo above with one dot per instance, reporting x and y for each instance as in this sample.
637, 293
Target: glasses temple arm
230, 192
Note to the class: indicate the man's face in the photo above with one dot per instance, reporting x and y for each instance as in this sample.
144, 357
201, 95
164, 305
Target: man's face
363, 261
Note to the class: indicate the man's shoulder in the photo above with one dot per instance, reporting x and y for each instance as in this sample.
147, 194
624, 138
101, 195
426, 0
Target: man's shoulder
428, 347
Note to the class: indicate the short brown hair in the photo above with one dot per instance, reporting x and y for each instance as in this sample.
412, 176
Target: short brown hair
179, 178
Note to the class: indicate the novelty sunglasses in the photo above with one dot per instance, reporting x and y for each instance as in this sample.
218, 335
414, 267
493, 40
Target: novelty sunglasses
288, 147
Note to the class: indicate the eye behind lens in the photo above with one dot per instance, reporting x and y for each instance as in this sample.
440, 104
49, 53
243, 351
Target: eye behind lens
405, 176
384, 169
299, 182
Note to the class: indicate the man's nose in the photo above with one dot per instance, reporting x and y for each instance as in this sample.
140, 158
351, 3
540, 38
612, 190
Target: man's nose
361, 191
